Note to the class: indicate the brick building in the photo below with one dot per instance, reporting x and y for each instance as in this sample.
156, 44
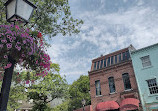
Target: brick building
112, 82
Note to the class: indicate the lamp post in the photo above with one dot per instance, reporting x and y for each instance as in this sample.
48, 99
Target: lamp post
83, 103
15, 9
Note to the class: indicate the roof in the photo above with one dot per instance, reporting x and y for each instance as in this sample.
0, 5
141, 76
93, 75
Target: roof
144, 48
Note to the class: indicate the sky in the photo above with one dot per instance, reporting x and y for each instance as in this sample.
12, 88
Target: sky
109, 25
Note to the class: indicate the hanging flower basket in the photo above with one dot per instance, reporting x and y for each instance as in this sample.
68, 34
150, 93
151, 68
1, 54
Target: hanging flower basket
25, 47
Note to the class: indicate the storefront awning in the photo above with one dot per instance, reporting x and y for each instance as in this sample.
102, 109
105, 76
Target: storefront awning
129, 104
109, 105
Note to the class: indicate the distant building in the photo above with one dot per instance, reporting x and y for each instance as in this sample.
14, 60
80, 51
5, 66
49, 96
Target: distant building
145, 63
112, 82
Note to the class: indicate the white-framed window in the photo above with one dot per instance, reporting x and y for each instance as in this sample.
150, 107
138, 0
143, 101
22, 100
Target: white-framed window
152, 84
146, 61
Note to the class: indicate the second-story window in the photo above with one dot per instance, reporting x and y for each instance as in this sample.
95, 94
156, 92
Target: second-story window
98, 88
115, 59
95, 65
112, 60
101, 65
153, 87
126, 80
98, 64
108, 63
111, 84
105, 62
146, 61
120, 57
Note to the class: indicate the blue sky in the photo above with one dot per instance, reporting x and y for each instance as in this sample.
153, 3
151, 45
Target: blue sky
109, 25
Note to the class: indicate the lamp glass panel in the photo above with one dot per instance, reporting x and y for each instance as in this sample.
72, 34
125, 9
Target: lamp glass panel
24, 10
11, 9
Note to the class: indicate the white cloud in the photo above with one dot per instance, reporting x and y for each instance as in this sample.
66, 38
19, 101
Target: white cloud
103, 33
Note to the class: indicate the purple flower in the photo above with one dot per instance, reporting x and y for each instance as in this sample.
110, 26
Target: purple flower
5, 56
24, 41
9, 45
4, 41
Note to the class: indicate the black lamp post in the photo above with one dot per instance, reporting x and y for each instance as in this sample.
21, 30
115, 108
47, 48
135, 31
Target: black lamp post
21, 10
83, 103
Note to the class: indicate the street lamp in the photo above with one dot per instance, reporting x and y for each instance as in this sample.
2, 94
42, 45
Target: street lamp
15, 9
19, 9
83, 103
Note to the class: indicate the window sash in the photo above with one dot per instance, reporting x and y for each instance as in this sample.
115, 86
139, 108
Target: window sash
126, 80
152, 84
111, 84
146, 61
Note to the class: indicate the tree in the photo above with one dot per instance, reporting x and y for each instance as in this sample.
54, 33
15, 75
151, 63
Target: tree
51, 17
47, 89
79, 90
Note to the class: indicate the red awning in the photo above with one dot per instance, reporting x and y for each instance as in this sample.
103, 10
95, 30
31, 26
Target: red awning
129, 104
109, 105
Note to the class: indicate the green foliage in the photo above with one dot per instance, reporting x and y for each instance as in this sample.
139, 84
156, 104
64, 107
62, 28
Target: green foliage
51, 17
62, 107
47, 89
77, 91
42, 91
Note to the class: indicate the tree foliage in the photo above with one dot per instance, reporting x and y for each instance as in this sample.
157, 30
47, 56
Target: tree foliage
79, 90
51, 17
41, 90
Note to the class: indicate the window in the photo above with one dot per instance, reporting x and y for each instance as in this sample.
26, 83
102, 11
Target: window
152, 84
115, 59
105, 62
98, 65
95, 66
126, 80
112, 60
108, 61
127, 55
120, 57
111, 84
98, 88
101, 65
146, 61
124, 56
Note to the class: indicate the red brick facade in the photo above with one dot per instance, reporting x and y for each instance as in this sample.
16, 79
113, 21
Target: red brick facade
115, 70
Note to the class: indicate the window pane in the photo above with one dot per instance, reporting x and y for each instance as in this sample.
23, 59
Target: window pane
98, 64
152, 84
98, 88
101, 65
127, 55
105, 62
95, 66
108, 61
115, 59
126, 80
124, 56
146, 61
120, 57
112, 60
111, 84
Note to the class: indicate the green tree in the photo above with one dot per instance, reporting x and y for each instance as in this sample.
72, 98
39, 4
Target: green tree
79, 90
42, 91
51, 17
47, 89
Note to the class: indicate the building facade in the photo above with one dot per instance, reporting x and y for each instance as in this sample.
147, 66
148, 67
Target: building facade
145, 63
112, 82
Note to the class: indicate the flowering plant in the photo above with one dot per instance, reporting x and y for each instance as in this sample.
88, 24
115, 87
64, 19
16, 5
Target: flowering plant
25, 47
